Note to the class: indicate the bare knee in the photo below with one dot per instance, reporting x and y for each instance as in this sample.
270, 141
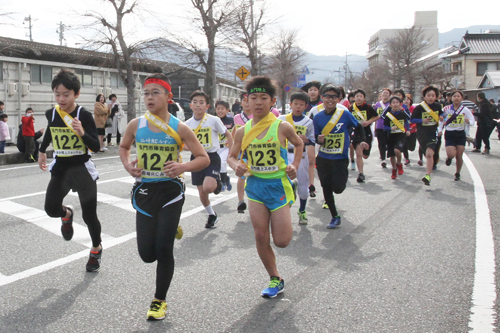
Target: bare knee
281, 242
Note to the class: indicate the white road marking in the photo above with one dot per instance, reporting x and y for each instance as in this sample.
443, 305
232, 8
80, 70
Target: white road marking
107, 243
483, 314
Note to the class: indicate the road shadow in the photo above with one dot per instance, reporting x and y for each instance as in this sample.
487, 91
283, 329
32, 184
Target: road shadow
202, 246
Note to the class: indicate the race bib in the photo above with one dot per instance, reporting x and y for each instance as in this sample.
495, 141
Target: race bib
380, 111
363, 112
152, 157
458, 122
222, 139
398, 130
427, 115
205, 137
334, 144
66, 143
300, 130
263, 157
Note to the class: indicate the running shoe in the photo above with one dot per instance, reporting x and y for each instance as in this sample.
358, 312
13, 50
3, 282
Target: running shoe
110, 144
179, 233
302, 217
67, 224
435, 167
448, 161
407, 162
400, 169
223, 188
394, 173
421, 163
212, 220
276, 286
312, 191
476, 150
427, 180
104, 148
383, 164
242, 206
218, 188
94, 260
361, 178
229, 187
157, 310
457, 176
334, 223
325, 205
486, 152
353, 165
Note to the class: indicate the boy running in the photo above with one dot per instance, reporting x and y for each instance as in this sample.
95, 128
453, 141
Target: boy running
158, 194
207, 129
366, 115
268, 186
239, 121
427, 116
73, 133
332, 128
222, 108
305, 130
381, 108
397, 126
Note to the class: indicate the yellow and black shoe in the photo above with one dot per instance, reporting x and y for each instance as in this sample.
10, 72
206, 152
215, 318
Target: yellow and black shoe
179, 233
157, 310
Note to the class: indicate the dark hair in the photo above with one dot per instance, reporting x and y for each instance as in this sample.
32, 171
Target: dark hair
3, 116
351, 94
68, 79
243, 94
1, 103
481, 95
429, 88
389, 90
359, 91
159, 76
262, 83
99, 97
200, 93
223, 103
342, 92
328, 87
409, 96
400, 91
301, 96
111, 96
455, 92
310, 84
397, 98
28, 109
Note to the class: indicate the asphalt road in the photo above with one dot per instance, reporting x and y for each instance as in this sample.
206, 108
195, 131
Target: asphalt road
403, 259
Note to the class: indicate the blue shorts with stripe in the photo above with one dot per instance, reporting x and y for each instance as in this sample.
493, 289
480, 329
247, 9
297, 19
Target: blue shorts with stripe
273, 193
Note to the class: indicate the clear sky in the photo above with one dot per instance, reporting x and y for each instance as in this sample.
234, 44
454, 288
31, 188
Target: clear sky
327, 27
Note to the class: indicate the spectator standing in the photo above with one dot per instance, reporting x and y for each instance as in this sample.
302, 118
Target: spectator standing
116, 115
101, 113
28, 121
484, 124
236, 108
2, 106
21, 146
4, 132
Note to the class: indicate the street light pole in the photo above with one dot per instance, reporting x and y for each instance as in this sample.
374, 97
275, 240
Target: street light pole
28, 19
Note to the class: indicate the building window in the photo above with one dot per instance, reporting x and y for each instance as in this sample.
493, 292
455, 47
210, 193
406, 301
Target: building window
46, 74
35, 74
114, 80
457, 67
482, 67
85, 77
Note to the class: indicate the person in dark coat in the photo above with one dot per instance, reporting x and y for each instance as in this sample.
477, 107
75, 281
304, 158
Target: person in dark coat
485, 124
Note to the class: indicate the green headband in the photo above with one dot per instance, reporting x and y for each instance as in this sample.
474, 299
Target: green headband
258, 90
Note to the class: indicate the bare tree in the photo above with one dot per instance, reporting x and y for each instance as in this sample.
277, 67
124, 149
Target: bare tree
210, 19
110, 35
401, 52
286, 61
374, 80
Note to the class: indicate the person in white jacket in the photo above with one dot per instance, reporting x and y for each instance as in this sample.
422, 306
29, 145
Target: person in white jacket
116, 115
4, 132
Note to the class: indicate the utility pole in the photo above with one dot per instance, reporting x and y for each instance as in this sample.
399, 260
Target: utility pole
60, 31
28, 19
214, 78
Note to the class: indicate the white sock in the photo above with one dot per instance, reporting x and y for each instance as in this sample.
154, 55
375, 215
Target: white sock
210, 210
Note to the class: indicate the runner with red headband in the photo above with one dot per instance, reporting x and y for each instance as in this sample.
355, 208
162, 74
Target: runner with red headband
158, 193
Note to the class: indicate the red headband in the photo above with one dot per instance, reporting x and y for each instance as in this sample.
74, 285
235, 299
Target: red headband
160, 82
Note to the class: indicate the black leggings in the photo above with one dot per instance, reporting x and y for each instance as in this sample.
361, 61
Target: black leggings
78, 179
382, 142
155, 240
333, 175
118, 137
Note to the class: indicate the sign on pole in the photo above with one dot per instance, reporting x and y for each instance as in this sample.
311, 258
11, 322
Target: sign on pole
287, 88
242, 73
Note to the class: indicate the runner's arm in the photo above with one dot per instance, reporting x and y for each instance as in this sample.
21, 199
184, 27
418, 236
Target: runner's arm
124, 150
201, 159
239, 168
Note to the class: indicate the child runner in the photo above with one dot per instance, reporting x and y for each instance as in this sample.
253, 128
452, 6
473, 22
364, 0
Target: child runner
427, 116
239, 121
207, 129
366, 115
312, 89
456, 116
268, 187
397, 126
72, 131
305, 130
158, 194
381, 108
222, 108
332, 129
411, 140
